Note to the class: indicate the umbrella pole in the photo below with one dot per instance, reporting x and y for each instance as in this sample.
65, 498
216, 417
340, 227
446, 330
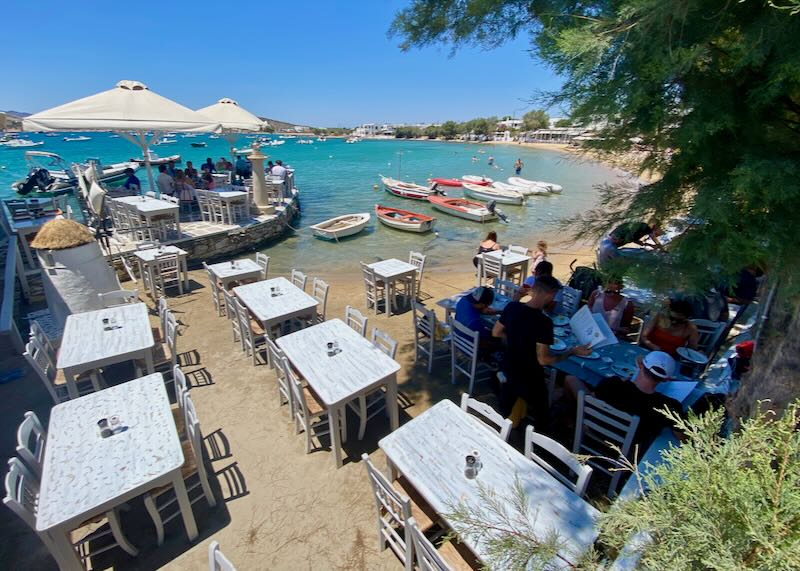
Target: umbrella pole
148, 166
231, 138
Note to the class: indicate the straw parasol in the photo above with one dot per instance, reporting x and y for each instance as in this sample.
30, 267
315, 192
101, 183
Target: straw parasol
233, 119
61, 234
130, 109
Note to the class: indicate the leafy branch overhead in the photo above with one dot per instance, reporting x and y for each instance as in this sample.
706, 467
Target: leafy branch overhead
707, 92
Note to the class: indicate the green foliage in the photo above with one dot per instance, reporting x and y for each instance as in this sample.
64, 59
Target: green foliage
711, 90
563, 123
717, 503
407, 132
432, 131
536, 119
449, 129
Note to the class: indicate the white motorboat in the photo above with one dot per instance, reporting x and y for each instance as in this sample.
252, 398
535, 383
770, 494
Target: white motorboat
523, 190
165, 141
474, 179
50, 173
321, 139
491, 193
549, 186
341, 226
21, 144
276, 143
155, 160
77, 139
305, 141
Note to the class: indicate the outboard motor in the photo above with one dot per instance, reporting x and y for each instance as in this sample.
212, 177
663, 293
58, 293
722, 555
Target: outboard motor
491, 206
435, 188
37, 179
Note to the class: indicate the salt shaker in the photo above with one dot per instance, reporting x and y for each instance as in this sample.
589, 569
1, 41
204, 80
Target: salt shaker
473, 465
331, 349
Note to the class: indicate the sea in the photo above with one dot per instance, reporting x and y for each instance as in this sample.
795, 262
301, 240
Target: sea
335, 178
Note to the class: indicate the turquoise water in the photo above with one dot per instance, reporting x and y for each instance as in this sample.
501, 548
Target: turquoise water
337, 178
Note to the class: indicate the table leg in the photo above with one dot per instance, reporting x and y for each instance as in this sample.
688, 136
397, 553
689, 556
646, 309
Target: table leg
148, 360
336, 435
413, 286
62, 551
387, 294
185, 505
178, 222
116, 531
185, 269
72, 388
391, 402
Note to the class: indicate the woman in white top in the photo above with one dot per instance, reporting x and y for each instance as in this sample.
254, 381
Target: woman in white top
539, 255
615, 308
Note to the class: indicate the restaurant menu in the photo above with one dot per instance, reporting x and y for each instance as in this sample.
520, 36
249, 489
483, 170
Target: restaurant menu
591, 329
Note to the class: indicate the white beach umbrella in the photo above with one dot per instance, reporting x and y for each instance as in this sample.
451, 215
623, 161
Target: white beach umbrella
130, 109
233, 119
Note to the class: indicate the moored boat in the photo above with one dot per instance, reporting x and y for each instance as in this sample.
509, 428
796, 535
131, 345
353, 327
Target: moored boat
404, 219
523, 190
491, 193
474, 179
156, 160
21, 144
76, 139
462, 208
549, 186
198, 145
50, 173
407, 189
341, 226
446, 181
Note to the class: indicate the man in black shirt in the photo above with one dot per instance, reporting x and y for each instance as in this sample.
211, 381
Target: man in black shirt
528, 334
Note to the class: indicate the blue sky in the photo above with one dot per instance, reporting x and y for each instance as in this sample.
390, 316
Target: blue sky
314, 62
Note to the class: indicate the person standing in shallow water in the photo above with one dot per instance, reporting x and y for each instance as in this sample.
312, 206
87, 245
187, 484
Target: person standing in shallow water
491, 161
518, 167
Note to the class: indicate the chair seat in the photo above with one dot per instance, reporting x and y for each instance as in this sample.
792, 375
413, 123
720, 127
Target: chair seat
455, 559
256, 327
420, 510
157, 334
180, 421
188, 469
61, 379
162, 354
314, 407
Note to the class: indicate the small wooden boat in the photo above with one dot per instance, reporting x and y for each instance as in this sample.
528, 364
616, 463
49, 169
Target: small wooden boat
474, 179
465, 209
341, 226
404, 219
549, 186
407, 189
445, 181
198, 145
523, 190
491, 193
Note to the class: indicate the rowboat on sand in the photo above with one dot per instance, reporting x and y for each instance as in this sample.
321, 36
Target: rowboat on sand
341, 226
491, 193
407, 189
404, 219
466, 209
474, 179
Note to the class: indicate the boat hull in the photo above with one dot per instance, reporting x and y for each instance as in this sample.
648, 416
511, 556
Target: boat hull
479, 180
327, 229
499, 196
477, 214
446, 181
404, 222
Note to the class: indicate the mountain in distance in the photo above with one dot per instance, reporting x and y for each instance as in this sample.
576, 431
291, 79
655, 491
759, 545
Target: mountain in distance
15, 113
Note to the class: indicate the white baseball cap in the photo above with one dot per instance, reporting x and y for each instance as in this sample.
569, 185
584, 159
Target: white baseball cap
660, 364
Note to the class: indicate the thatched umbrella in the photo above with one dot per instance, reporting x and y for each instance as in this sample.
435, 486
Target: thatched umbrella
60, 234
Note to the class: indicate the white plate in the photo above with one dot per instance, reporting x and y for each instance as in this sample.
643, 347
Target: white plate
692, 355
560, 331
623, 371
560, 320
594, 355
558, 345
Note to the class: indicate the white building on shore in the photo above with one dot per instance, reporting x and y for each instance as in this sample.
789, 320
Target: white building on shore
371, 130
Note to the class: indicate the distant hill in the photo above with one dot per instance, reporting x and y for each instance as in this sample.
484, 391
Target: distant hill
280, 125
15, 113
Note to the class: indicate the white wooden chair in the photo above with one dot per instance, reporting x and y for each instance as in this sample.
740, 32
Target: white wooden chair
522, 250
356, 320
487, 415
54, 380
165, 354
219, 305
254, 338
31, 438
570, 301
22, 497
425, 343
217, 560
446, 558
417, 259
192, 466
506, 288
276, 358
710, 334
464, 356
581, 472
598, 427
218, 211
299, 279
489, 267
395, 507
374, 289
232, 312
204, 205
263, 261
126, 263
310, 416
319, 291
36, 332
118, 297
375, 402
167, 273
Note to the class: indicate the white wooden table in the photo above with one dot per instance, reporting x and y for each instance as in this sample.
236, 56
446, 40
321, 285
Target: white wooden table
151, 207
240, 270
509, 261
268, 310
146, 259
358, 369
430, 452
230, 196
392, 271
85, 475
87, 345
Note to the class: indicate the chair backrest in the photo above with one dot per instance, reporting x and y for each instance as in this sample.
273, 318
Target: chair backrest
217, 560
163, 310
194, 434
518, 249
22, 491
319, 291
118, 297
31, 438
599, 428
428, 558
39, 334
299, 279
487, 415
297, 400
490, 267
212, 282
424, 321
356, 320
506, 288
369, 285
570, 300
580, 472
39, 361
275, 357
171, 336
263, 261
464, 343
394, 511
181, 386
710, 334
384, 342
231, 311
243, 315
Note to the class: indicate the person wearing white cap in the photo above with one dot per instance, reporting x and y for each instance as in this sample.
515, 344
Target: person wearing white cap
638, 395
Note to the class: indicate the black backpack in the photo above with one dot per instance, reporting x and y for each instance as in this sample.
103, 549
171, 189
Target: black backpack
585, 280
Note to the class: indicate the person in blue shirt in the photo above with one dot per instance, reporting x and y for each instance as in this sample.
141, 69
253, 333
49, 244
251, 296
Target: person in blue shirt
132, 182
469, 310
